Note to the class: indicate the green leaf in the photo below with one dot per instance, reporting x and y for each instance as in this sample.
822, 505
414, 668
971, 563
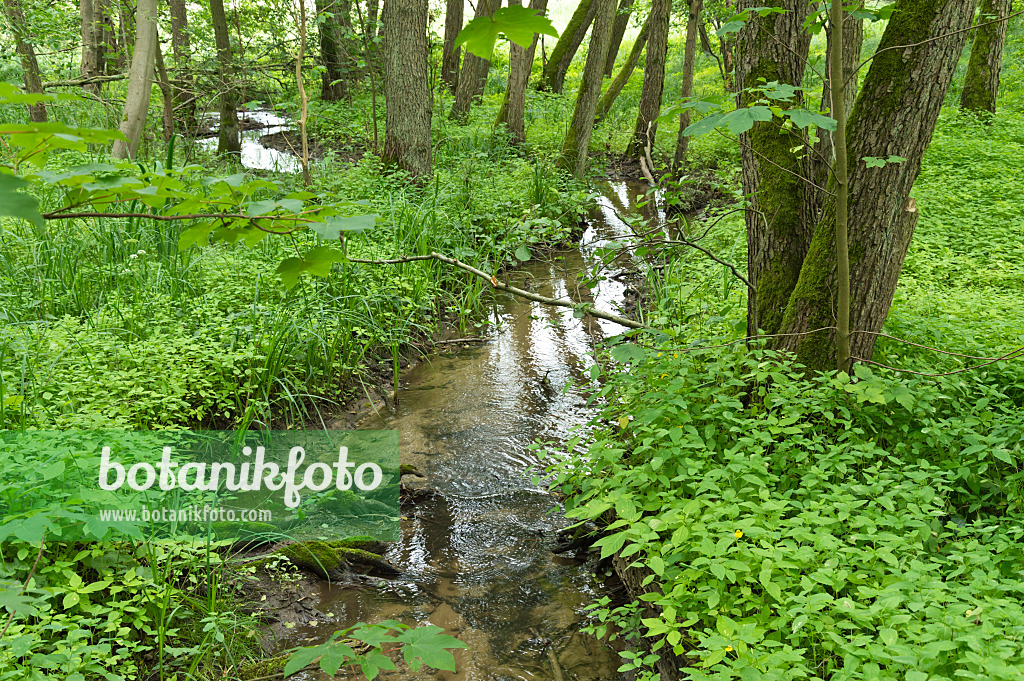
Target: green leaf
304, 656
803, 118
16, 204
742, 120
317, 261
517, 23
627, 352
523, 253
427, 645
373, 662
332, 227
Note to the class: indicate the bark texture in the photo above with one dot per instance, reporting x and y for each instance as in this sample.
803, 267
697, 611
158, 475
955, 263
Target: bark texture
622, 77
689, 59
181, 46
622, 17
473, 75
520, 62
577, 138
407, 86
27, 56
778, 236
335, 28
981, 84
140, 80
894, 114
449, 53
229, 140
561, 57
89, 66
654, 80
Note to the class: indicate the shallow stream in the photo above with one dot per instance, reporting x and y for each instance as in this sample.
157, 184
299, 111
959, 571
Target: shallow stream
477, 558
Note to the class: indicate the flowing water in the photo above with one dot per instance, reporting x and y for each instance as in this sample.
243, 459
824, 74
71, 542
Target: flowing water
477, 557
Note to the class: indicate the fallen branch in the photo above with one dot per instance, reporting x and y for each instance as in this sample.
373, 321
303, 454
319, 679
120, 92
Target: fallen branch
84, 81
502, 286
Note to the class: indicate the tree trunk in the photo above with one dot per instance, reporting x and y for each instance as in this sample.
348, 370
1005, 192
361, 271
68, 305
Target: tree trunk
372, 12
553, 75
449, 53
773, 48
981, 84
126, 29
473, 76
654, 80
894, 114
335, 27
705, 46
622, 77
164, 82
577, 138
27, 55
689, 58
181, 46
140, 80
107, 38
622, 17
520, 63
229, 140
407, 86
89, 66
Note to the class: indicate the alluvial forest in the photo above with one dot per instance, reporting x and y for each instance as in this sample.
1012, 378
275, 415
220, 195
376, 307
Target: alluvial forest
700, 322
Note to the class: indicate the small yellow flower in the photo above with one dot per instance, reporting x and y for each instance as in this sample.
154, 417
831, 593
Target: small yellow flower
675, 356
659, 354
664, 375
739, 533
728, 649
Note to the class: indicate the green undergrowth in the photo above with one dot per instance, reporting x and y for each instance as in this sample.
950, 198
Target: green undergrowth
831, 528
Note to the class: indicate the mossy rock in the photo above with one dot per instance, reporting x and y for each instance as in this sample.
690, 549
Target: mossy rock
409, 469
262, 668
362, 543
323, 558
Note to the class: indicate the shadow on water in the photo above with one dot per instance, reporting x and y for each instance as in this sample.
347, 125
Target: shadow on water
477, 558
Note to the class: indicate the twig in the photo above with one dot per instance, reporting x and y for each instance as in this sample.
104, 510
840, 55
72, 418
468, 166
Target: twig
502, 286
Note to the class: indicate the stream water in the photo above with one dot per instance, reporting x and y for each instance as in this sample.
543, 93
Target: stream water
477, 557
260, 122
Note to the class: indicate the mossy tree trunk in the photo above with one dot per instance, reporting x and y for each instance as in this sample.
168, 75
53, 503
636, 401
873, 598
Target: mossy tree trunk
689, 61
654, 80
335, 28
625, 71
561, 57
473, 75
773, 48
449, 53
622, 17
229, 140
981, 84
407, 86
520, 62
27, 55
577, 138
894, 114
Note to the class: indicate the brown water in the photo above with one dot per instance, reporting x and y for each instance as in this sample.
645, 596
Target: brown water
477, 558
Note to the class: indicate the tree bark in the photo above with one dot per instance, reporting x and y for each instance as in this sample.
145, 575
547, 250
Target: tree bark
894, 114
622, 77
184, 85
167, 91
773, 48
89, 66
372, 12
654, 80
126, 31
140, 80
335, 27
229, 140
449, 53
981, 84
407, 86
577, 138
473, 76
689, 59
520, 62
553, 76
27, 55
622, 17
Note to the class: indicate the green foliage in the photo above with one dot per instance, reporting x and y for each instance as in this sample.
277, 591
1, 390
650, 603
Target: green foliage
826, 528
420, 646
517, 23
